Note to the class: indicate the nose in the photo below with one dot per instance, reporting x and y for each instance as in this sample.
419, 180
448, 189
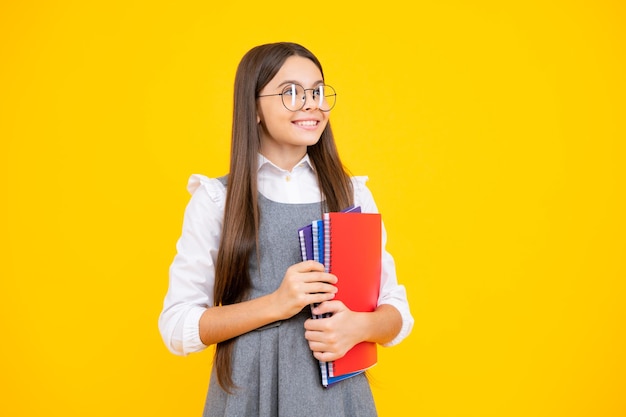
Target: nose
309, 103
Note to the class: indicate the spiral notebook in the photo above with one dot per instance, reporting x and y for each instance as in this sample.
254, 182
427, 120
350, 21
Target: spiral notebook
352, 251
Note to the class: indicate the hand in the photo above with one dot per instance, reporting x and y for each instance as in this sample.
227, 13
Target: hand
332, 337
304, 283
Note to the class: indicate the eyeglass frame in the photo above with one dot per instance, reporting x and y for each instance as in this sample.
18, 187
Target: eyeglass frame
305, 96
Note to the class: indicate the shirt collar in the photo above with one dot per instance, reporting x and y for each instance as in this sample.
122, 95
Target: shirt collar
265, 163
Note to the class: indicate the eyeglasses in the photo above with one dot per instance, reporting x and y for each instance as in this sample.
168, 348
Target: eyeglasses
294, 96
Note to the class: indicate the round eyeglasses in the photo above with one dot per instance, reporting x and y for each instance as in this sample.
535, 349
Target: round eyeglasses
294, 96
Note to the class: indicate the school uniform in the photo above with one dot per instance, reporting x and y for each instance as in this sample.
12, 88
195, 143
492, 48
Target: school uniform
273, 368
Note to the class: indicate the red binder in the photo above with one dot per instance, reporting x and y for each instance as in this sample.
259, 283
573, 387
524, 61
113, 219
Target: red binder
353, 250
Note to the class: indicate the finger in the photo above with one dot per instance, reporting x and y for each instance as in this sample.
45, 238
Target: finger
317, 346
326, 356
307, 266
320, 297
320, 277
313, 336
320, 287
331, 306
314, 329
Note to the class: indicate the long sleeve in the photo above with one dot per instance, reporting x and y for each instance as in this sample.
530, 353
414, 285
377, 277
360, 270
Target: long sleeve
390, 291
192, 272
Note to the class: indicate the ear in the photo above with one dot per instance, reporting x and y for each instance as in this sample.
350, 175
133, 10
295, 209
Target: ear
259, 115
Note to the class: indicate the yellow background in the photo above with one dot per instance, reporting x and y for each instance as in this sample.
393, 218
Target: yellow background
493, 134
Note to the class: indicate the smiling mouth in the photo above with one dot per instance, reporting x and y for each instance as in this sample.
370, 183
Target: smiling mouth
306, 123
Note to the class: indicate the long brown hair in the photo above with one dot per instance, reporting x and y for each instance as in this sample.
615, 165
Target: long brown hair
241, 215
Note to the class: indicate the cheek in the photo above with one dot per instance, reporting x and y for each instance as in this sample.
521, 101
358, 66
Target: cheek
273, 128
325, 122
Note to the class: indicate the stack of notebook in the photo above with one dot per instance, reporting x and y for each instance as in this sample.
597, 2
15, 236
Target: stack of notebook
348, 243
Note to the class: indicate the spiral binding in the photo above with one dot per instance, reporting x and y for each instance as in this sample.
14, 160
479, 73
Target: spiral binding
327, 243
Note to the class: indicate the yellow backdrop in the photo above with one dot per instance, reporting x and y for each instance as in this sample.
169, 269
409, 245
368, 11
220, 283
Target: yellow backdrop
493, 134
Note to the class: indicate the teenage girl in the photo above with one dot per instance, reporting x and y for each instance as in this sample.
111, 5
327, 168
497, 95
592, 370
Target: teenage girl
237, 280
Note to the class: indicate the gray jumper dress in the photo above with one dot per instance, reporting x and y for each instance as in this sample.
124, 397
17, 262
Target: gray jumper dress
273, 367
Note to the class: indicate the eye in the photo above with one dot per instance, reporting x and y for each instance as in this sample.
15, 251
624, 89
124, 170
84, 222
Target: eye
290, 90
318, 92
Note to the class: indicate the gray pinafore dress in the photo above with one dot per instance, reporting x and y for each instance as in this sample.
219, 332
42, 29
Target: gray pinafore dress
273, 367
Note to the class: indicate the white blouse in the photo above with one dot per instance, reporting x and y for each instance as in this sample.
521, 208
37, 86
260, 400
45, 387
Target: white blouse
192, 273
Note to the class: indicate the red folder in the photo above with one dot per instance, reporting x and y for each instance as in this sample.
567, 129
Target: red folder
353, 249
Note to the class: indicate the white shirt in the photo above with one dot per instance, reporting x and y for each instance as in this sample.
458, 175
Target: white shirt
192, 273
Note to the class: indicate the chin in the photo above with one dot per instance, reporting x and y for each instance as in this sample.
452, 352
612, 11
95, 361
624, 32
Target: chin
312, 141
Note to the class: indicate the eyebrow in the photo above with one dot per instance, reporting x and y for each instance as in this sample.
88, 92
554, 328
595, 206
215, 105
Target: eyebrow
296, 82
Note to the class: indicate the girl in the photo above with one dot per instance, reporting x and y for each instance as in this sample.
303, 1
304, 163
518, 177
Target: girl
237, 280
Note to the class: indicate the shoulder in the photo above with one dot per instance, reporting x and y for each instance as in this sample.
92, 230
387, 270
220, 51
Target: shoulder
358, 183
202, 186
362, 195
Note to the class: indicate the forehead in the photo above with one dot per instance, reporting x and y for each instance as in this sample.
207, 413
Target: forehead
297, 69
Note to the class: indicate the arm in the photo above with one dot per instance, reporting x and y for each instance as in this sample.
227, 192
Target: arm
391, 292
304, 283
191, 274
189, 322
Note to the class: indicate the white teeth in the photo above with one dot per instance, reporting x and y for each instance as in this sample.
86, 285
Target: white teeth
307, 123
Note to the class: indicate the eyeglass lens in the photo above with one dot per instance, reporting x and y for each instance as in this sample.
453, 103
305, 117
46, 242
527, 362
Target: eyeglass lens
294, 97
